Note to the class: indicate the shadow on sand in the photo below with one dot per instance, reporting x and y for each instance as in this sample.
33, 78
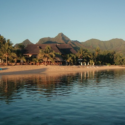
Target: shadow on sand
3, 68
35, 71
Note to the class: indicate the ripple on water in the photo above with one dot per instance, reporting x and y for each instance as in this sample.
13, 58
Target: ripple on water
92, 98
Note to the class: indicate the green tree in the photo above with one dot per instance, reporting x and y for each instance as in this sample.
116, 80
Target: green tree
7, 50
71, 58
47, 54
97, 56
97, 51
85, 55
20, 51
2, 41
119, 59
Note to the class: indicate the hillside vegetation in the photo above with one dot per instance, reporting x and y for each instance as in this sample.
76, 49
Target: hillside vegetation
117, 45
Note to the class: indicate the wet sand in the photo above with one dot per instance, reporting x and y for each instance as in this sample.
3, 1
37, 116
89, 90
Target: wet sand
41, 69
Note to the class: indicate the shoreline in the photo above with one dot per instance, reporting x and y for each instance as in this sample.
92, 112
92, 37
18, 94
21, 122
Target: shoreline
46, 70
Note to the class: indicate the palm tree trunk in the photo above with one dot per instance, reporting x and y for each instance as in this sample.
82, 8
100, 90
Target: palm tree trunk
6, 60
47, 61
15, 61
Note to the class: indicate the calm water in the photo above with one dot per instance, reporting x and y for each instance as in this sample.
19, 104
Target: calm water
88, 98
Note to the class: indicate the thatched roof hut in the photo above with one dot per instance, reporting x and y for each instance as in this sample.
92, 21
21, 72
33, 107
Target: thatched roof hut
33, 49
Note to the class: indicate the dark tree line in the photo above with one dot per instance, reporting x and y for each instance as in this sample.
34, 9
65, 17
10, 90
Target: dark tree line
9, 53
99, 57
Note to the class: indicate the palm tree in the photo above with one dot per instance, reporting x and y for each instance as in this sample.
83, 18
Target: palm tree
71, 58
35, 60
47, 54
20, 50
21, 46
13, 57
21, 58
6, 50
2, 41
97, 51
85, 55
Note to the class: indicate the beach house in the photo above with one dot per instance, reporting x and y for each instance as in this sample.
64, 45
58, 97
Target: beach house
32, 50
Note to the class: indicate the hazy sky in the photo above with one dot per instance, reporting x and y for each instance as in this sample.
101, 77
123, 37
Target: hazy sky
78, 19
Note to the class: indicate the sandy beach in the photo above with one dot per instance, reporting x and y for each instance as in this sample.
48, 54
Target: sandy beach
41, 69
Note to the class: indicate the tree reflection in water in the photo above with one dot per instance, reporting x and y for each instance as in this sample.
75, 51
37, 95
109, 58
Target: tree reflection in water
51, 85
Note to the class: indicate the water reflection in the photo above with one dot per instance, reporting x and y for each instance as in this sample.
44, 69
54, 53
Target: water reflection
49, 86
93, 98
46, 85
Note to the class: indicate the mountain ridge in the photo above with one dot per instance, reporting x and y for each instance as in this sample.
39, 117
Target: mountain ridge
25, 43
60, 38
115, 44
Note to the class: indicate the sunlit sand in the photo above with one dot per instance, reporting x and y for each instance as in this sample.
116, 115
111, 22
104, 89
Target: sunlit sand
41, 69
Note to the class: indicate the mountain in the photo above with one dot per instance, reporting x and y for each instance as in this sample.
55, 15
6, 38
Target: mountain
117, 45
25, 43
60, 38
76, 44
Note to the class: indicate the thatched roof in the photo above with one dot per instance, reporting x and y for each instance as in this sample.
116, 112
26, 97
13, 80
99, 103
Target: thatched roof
57, 58
58, 48
66, 49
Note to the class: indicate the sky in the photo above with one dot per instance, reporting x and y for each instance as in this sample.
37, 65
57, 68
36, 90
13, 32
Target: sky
78, 19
